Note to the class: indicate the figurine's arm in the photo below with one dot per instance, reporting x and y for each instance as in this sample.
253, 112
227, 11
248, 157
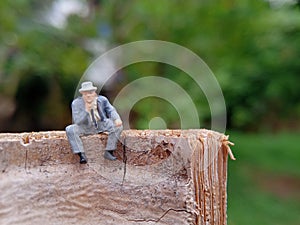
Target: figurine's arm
79, 114
110, 111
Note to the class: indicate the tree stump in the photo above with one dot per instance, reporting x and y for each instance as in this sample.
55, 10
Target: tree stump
160, 177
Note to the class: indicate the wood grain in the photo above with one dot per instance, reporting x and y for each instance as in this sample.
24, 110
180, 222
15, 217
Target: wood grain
160, 177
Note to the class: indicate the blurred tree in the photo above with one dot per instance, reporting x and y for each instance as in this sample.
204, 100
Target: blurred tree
251, 47
37, 56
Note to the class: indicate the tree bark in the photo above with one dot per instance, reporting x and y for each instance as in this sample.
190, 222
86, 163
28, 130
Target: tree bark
160, 177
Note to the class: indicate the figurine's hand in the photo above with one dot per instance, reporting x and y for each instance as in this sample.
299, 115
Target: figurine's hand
118, 122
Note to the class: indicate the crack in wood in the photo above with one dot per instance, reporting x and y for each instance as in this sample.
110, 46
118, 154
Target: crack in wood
160, 218
26, 158
124, 160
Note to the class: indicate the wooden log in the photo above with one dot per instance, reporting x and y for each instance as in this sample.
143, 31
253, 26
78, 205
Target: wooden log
160, 177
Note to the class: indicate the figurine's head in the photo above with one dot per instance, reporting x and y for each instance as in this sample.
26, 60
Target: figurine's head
88, 91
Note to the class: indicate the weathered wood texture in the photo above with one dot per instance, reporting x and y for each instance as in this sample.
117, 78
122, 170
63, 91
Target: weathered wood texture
160, 177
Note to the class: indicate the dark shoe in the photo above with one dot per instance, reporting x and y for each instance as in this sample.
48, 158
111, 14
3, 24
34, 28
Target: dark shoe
83, 159
110, 155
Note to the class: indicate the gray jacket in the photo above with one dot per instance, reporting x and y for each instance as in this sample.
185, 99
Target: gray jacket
82, 118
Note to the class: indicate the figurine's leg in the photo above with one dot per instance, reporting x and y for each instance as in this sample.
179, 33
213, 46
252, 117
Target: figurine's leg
113, 137
73, 133
114, 133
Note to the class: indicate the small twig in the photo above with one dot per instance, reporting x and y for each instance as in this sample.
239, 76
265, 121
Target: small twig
228, 149
230, 153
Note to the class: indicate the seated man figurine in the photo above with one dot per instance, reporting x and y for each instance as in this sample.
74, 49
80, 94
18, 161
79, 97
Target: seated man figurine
93, 114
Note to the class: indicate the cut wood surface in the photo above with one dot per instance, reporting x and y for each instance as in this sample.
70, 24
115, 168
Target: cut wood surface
160, 177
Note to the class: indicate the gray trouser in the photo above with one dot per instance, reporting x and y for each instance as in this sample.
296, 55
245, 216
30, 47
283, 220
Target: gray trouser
74, 132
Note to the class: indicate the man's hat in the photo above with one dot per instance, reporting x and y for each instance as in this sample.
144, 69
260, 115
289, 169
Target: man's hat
87, 86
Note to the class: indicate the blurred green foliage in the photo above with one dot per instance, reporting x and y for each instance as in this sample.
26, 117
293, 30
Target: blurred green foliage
263, 183
252, 48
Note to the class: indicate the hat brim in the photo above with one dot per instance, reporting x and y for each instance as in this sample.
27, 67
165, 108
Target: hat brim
88, 89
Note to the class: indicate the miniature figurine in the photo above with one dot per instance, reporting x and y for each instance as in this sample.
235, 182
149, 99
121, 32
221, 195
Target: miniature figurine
93, 114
